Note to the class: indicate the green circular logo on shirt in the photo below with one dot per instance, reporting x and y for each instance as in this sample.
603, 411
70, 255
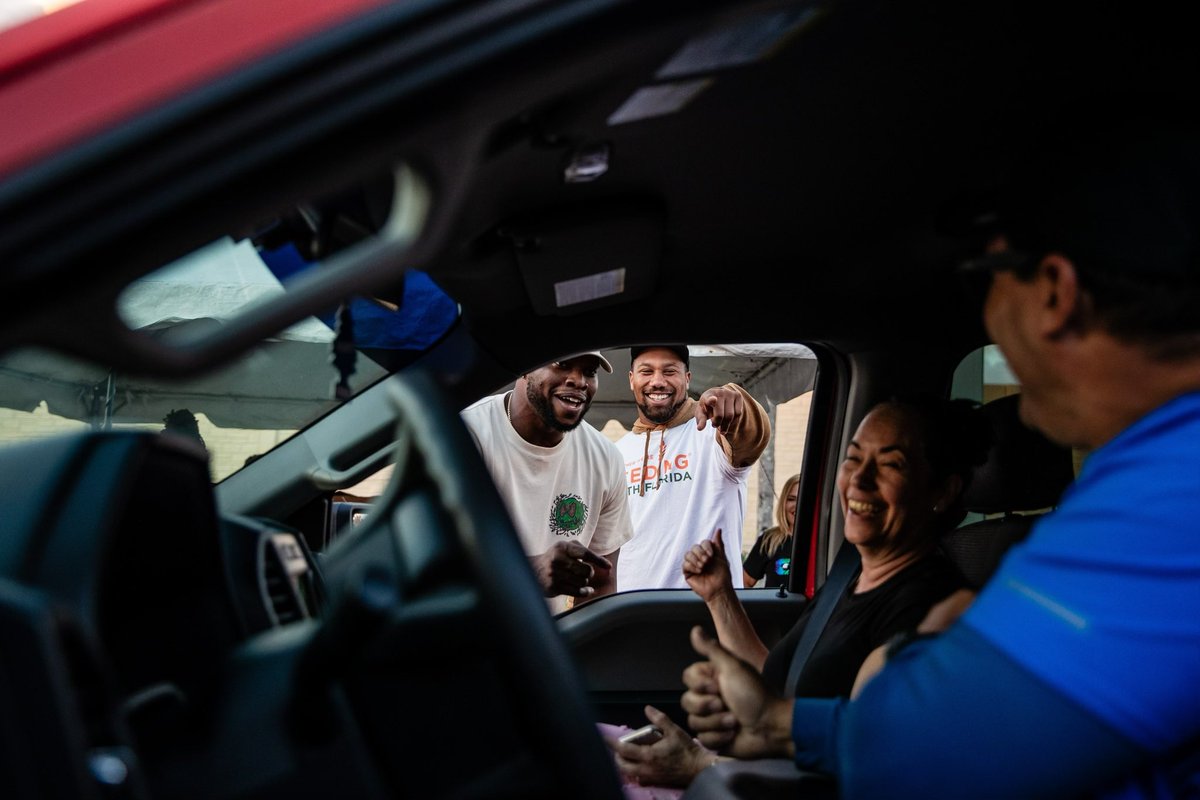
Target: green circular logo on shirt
567, 515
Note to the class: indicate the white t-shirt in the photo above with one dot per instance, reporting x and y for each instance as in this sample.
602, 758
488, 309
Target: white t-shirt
697, 491
574, 490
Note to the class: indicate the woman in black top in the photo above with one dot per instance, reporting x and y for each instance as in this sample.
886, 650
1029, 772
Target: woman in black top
771, 556
899, 487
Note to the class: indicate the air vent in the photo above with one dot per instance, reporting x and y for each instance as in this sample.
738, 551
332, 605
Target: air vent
284, 569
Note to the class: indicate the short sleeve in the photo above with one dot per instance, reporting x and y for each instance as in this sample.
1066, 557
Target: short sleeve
756, 561
615, 527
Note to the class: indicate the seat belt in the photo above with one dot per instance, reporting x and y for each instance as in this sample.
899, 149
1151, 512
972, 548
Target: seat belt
845, 566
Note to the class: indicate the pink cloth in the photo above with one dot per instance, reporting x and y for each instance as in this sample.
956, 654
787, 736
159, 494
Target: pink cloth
633, 789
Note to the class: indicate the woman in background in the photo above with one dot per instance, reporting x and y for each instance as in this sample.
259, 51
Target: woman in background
772, 553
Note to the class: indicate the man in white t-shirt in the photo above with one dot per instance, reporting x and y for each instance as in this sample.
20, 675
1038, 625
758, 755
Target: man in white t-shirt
685, 478
562, 481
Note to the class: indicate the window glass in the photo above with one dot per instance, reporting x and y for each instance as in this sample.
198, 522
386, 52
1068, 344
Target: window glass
283, 384
255, 403
235, 413
984, 375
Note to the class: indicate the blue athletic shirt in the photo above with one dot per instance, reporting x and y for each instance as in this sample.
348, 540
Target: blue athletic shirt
1103, 601
1075, 672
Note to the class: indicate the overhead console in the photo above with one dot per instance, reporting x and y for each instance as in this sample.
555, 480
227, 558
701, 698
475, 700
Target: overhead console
577, 259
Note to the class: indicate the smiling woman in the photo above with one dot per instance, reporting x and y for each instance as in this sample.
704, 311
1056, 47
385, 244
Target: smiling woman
900, 486
894, 499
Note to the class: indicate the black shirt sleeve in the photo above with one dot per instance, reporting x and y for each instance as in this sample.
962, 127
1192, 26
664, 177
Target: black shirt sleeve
756, 559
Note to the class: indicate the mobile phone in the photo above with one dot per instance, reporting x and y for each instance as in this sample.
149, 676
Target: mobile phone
647, 734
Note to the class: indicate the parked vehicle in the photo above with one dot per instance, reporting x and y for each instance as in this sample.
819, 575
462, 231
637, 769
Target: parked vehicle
323, 227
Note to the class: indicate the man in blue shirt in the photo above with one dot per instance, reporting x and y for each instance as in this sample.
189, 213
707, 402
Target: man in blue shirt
1076, 671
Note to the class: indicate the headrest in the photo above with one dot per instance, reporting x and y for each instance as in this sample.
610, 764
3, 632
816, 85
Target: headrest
1024, 470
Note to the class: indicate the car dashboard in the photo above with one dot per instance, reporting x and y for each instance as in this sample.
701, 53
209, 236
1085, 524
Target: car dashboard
122, 594
151, 647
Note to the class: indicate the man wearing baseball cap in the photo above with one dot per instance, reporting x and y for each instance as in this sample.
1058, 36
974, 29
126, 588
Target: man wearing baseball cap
1074, 672
688, 465
562, 480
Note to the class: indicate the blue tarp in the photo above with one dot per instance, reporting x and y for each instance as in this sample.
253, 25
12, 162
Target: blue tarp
425, 313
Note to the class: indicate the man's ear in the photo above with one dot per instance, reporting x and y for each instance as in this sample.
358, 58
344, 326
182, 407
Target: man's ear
1060, 299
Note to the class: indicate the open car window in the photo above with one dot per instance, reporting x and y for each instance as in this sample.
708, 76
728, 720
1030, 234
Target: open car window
780, 376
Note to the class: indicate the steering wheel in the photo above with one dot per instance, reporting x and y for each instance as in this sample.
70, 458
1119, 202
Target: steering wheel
540, 678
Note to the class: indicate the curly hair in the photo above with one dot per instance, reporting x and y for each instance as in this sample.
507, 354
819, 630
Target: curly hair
183, 422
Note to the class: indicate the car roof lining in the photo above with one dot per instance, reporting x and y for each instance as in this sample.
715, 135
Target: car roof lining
826, 163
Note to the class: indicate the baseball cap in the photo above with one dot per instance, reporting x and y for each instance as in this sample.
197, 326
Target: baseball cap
599, 357
1118, 194
679, 350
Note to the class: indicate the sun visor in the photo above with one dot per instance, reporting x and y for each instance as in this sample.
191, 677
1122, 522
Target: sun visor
576, 261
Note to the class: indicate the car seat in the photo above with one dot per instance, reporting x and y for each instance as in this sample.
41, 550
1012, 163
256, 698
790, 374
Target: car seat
1023, 477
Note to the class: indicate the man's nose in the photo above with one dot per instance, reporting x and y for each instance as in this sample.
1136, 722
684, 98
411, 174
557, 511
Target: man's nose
658, 379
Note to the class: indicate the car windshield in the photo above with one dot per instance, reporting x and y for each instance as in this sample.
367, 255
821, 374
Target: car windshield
248, 407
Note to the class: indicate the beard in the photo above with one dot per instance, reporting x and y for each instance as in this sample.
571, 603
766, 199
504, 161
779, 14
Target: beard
660, 416
545, 410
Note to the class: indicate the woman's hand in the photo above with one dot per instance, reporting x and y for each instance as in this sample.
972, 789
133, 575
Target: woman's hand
674, 760
730, 709
706, 568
